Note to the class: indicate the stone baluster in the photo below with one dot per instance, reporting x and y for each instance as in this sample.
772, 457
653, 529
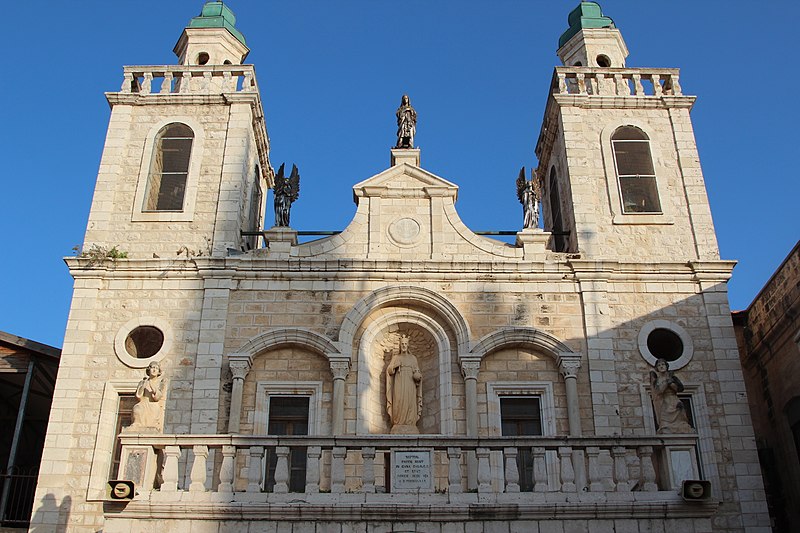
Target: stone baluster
511, 470
337, 469
658, 90
539, 470
240, 365
621, 475
207, 83
677, 90
340, 370
637, 85
313, 454
170, 473
595, 478
562, 83
226, 469
582, 83
599, 81
281, 470
166, 85
647, 468
255, 470
127, 83
454, 471
247, 83
484, 470
368, 469
198, 473
567, 470
186, 82
228, 82
146, 83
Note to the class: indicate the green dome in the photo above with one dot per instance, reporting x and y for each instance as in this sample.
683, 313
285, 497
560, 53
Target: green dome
586, 15
217, 15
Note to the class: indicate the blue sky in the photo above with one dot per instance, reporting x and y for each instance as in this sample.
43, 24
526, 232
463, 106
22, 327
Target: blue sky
331, 75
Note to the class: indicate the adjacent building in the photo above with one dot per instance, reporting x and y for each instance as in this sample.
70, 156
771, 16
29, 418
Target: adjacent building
405, 374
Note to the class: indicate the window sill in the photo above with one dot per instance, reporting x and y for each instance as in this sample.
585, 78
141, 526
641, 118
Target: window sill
644, 219
162, 216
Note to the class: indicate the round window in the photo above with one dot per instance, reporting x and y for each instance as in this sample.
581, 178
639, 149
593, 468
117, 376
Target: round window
144, 341
665, 344
202, 58
662, 339
603, 61
140, 341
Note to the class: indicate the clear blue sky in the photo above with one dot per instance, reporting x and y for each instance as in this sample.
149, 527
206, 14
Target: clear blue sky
331, 75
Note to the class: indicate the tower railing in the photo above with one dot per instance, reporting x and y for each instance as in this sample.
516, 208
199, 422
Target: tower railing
633, 82
186, 79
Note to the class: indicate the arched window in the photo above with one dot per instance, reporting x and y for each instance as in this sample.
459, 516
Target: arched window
635, 172
556, 218
169, 167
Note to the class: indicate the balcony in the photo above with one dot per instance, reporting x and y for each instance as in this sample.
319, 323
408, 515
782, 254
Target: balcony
185, 79
632, 82
351, 477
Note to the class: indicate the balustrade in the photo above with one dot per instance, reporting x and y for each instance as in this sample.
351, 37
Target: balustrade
568, 464
617, 82
182, 79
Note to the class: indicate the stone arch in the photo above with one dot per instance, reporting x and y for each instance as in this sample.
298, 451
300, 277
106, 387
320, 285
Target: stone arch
398, 294
522, 336
369, 389
298, 336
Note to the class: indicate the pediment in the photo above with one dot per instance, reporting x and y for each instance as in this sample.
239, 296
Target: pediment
405, 181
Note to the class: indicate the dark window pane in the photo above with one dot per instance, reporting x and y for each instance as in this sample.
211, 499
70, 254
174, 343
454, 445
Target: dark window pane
629, 133
633, 158
288, 415
639, 195
169, 168
124, 419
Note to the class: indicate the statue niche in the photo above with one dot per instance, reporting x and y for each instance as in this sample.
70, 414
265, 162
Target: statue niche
404, 390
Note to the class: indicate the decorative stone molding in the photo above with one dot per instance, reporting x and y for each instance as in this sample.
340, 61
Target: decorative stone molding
516, 336
686, 340
569, 365
470, 369
240, 365
340, 369
296, 336
122, 335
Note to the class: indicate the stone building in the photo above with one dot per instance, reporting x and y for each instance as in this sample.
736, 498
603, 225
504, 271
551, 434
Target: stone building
768, 332
405, 374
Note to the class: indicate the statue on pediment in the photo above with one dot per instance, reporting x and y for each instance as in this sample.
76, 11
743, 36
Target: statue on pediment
406, 123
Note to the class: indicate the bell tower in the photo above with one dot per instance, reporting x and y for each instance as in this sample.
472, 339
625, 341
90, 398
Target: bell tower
620, 172
185, 166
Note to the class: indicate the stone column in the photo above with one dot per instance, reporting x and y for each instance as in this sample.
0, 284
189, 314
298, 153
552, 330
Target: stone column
470, 369
569, 366
240, 365
339, 369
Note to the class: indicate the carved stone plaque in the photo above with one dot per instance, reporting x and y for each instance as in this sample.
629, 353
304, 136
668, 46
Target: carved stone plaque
412, 471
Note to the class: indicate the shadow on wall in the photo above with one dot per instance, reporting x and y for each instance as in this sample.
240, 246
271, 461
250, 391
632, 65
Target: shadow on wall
51, 517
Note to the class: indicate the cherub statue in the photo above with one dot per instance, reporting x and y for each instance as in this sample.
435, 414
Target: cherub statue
406, 123
148, 413
528, 197
286, 191
664, 388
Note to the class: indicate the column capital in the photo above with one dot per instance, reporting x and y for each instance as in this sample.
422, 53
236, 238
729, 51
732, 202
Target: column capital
569, 365
340, 369
240, 365
470, 369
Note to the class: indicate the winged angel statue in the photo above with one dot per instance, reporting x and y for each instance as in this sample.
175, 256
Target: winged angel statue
286, 191
527, 192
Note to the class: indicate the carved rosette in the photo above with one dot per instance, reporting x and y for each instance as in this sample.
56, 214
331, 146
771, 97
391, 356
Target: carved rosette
569, 366
340, 369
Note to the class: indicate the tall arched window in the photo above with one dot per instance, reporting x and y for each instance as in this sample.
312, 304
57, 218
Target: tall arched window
556, 218
169, 167
635, 173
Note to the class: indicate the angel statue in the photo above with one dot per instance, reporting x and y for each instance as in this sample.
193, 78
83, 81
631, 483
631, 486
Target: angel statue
526, 192
286, 191
406, 123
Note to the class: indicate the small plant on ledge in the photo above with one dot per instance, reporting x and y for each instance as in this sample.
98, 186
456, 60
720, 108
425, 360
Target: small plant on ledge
97, 254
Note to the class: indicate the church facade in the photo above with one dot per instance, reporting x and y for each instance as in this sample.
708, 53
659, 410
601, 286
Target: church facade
405, 374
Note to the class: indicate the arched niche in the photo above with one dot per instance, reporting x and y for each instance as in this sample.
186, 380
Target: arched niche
431, 344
